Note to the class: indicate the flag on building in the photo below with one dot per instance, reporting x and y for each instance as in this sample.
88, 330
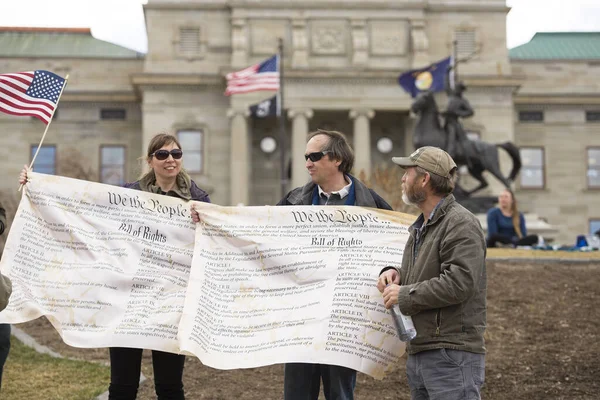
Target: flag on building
263, 76
266, 108
33, 93
431, 78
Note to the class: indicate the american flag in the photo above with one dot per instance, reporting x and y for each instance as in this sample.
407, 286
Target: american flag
263, 76
33, 93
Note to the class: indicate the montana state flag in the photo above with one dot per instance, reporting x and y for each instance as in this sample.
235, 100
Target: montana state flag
431, 78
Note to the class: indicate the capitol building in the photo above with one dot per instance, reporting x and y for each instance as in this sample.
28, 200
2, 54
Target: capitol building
342, 59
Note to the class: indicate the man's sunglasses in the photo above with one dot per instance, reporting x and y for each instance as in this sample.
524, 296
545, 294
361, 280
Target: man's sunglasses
164, 154
316, 156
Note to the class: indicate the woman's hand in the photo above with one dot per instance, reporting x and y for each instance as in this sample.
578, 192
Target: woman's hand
23, 175
194, 213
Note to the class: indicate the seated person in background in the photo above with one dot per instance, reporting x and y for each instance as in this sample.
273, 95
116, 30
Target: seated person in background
506, 224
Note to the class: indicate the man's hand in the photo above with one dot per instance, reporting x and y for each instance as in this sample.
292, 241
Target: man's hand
389, 276
195, 214
390, 295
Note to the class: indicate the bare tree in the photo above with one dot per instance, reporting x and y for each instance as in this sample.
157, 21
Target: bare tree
73, 164
386, 180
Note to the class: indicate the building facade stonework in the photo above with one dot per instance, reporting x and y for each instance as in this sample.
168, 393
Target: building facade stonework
341, 63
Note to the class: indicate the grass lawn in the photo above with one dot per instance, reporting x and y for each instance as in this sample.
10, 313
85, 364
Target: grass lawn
30, 375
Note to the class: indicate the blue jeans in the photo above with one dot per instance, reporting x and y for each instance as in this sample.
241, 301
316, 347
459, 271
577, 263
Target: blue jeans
445, 374
4, 346
302, 382
125, 369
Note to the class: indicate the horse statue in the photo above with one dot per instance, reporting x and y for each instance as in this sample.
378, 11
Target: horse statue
477, 155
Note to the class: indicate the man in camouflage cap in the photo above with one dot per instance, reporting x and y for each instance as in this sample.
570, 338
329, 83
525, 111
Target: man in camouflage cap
441, 283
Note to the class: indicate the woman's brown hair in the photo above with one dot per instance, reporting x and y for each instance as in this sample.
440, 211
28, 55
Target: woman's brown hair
516, 217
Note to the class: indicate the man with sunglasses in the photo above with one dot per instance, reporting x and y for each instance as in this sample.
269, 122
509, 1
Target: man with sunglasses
329, 159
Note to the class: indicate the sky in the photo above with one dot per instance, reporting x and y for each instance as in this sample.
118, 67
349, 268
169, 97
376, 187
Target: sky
122, 21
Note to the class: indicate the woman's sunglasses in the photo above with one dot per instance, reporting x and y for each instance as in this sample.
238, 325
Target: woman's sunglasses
316, 156
164, 154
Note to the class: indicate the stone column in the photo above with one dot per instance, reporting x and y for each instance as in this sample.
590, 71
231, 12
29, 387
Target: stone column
300, 119
420, 43
239, 154
362, 141
300, 44
409, 128
239, 43
360, 42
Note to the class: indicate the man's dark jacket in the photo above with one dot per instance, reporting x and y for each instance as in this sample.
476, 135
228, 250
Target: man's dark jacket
365, 197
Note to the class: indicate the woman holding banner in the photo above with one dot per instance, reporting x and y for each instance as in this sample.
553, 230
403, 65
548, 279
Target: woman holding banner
166, 177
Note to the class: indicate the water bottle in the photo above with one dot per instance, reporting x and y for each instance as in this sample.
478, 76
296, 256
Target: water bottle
404, 324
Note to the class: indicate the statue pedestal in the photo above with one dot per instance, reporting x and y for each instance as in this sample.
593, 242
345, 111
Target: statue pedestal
475, 204
478, 205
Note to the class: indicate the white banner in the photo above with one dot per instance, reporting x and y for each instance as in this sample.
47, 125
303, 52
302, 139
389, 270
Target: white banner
110, 266
293, 284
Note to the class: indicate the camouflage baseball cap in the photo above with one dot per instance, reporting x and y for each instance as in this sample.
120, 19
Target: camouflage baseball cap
431, 159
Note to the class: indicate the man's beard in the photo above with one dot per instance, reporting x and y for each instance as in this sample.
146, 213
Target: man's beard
413, 197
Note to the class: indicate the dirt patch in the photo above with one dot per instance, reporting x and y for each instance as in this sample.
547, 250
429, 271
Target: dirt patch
542, 341
543, 255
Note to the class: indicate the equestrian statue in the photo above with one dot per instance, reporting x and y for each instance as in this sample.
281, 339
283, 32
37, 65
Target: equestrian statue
478, 156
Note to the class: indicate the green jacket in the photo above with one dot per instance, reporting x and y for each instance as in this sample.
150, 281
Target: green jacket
2, 219
444, 289
5, 284
5, 291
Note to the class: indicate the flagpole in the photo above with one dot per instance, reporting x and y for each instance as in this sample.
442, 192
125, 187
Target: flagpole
281, 115
47, 126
